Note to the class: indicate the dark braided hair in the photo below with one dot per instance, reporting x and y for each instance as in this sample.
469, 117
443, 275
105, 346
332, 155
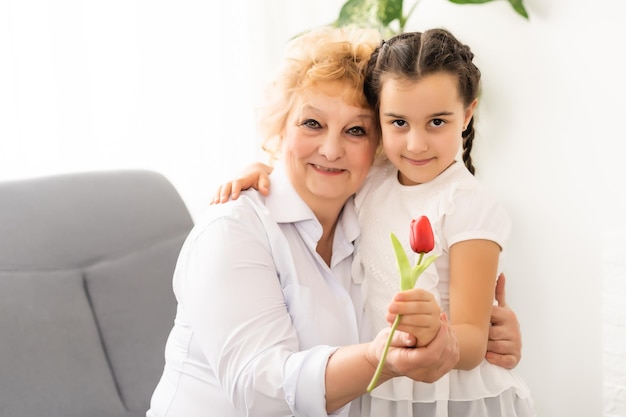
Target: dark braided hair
413, 55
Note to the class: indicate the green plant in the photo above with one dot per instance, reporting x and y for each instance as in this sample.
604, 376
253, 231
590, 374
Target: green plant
388, 15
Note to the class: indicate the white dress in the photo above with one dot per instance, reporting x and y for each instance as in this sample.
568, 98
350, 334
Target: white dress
459, 209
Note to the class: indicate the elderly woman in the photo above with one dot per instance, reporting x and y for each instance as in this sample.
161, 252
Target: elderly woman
269, 321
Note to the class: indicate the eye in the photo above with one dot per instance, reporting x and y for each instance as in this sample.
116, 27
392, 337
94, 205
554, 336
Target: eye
357, 131
399, 123
437, 122
310, 123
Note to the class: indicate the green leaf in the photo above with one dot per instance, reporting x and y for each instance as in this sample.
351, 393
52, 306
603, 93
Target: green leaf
469, 1
404, 266
389, 10
419, 268
518, 6
359, 12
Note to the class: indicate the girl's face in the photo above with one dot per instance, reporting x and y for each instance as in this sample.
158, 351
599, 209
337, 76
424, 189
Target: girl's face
328, 145
421, 123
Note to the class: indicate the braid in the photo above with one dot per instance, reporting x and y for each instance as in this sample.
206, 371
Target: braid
468, 140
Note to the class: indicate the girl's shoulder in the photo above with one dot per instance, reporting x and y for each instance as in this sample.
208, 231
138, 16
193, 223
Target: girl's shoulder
380, 172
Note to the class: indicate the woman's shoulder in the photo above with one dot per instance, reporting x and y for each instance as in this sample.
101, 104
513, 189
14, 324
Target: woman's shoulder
247, 210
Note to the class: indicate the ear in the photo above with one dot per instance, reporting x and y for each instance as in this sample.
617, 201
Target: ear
469, 112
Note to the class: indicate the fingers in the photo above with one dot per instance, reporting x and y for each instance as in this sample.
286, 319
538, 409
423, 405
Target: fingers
423, 328
420, 314
415, 294
232, 190
500, 293
419, 309
402, 339
264, 184
498, 315
436, 359
237, 186
223, 193
504, 347
413, 302
255, 176
504, 324
503, 361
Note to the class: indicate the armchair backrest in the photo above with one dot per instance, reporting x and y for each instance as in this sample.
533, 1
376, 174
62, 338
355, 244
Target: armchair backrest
86, 303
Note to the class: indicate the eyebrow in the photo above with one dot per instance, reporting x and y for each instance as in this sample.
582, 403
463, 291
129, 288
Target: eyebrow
365, 116
307, 107
438, 114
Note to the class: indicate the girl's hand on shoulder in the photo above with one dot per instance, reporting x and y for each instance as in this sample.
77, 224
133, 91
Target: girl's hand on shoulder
254, 176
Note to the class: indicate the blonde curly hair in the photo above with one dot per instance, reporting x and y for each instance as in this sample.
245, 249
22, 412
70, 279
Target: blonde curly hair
319, 56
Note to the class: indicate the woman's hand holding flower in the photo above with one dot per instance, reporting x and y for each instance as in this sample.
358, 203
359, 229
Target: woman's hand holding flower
425, 364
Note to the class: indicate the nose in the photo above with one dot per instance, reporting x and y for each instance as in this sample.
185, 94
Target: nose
416, 141
331, 146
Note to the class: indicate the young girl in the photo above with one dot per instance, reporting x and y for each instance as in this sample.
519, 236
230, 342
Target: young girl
424, 87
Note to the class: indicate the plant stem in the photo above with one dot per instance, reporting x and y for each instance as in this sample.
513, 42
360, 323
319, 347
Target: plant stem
381, 362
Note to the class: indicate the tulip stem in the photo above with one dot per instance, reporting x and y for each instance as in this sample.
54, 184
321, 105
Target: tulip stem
381, 362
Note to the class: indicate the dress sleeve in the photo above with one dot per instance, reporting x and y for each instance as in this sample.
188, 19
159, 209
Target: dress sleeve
228, 285
475, 214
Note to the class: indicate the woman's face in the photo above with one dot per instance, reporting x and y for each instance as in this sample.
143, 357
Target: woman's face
422, 122
328, 145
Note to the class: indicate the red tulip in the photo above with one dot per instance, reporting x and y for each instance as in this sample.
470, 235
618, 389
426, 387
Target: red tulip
422, 239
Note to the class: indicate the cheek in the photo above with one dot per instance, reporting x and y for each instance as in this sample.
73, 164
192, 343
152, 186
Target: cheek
296, 147
452, 143
364, 157
391, 144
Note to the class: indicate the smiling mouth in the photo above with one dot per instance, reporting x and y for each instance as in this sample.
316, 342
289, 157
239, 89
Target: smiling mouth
418, 162
326, 169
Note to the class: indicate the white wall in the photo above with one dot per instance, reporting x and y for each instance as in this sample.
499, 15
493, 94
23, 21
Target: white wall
156, 84
550, 145
171, 86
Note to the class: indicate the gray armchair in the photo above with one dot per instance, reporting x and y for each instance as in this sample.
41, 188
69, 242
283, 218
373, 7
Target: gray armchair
86, 302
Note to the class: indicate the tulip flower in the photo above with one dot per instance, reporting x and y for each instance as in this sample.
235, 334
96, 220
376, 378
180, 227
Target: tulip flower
422, 241
421, 238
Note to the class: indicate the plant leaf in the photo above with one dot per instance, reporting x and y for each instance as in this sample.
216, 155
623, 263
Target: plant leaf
469, 1
359, 12
404, 265
389, 10
518, 6
418, 269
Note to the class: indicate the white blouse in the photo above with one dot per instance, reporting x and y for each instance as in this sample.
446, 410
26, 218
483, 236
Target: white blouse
259, 312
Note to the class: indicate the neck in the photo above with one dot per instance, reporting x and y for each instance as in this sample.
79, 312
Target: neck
328, 218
